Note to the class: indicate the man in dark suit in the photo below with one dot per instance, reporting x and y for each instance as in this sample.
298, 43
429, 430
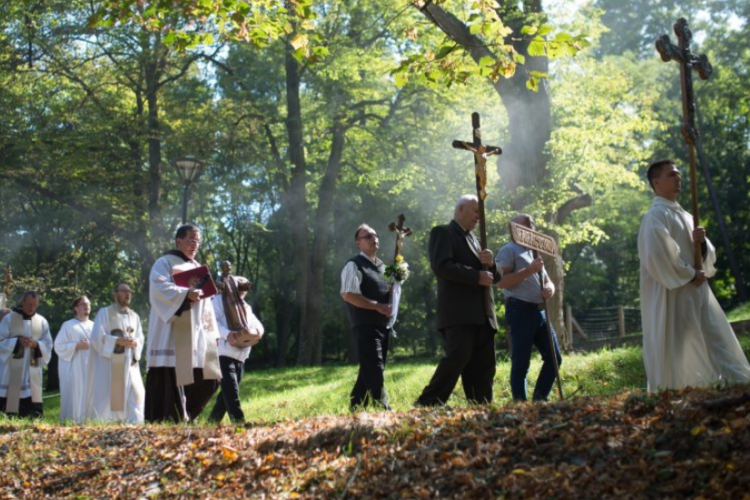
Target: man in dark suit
466, 320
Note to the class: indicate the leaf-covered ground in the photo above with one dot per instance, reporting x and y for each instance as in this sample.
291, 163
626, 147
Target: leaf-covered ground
690, 444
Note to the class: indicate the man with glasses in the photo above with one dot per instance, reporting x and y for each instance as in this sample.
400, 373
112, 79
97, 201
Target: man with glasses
183, 364
365, 290
115, 387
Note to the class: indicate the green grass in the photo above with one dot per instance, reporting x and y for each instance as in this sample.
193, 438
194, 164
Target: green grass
280, 394
740, 312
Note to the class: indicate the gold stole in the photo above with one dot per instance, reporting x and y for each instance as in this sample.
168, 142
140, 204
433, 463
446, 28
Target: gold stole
119, 367
182, 333
183, 328
17, 365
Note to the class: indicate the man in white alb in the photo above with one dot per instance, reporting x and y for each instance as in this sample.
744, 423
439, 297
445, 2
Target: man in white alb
72, 348
687, 340
115, 390
183, 360
25, 348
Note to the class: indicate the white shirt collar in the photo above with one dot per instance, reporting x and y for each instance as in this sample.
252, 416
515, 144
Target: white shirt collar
375, 260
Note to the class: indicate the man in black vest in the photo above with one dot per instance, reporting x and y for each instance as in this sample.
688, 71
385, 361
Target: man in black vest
365, 291
466, 324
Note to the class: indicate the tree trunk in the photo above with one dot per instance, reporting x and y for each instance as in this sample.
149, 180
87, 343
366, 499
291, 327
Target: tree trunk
523, 162
323, 221
284, 311
555, 304
154, 133
297, 198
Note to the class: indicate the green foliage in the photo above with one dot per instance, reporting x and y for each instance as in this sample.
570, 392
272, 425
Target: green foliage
721, 30
492, 49
187, 25
739, 313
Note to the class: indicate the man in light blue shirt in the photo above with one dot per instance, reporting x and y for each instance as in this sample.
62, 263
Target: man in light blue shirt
525, 316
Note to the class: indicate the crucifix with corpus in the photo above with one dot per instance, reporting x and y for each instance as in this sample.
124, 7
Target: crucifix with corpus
401, 233
688, 62
481, 153
395, 292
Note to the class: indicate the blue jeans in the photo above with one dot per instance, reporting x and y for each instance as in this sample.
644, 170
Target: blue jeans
528, 328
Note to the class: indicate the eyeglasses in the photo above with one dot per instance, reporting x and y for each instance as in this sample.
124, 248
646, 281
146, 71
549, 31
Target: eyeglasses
369, 236
192, 241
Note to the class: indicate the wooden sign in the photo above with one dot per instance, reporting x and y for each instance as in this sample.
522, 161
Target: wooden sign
522, 235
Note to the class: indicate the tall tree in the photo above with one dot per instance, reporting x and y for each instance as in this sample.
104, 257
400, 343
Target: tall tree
517, 33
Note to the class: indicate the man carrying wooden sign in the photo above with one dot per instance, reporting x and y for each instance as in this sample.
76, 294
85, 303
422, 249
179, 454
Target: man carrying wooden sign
526, 287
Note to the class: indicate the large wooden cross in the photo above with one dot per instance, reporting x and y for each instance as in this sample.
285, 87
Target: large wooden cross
401, 233
481, 153
688, 62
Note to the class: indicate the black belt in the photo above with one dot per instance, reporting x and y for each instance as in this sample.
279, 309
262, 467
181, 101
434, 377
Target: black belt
525, 304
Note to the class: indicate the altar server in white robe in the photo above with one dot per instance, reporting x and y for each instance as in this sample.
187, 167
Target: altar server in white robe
687, 340
72, 348
25, 348
115, 389
183, 361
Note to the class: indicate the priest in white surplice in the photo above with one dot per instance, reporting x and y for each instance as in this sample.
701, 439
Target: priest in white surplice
72, 348
25, 348
115, 390
687, 340
183, 362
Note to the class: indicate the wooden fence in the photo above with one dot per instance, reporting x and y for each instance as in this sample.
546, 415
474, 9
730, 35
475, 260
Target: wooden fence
612, 327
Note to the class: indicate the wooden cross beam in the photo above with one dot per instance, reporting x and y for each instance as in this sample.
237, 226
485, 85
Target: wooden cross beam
401, 233
481, 153
688, 62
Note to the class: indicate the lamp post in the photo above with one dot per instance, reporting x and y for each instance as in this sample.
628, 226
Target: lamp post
189, 168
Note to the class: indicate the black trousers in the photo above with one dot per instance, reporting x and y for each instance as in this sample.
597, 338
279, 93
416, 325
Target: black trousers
372, 347
25, 408
163, 401
228, 400
469, 354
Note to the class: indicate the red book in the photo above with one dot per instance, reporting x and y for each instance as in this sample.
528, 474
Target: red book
198, 278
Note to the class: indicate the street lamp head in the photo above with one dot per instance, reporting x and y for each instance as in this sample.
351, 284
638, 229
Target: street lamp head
188, 168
